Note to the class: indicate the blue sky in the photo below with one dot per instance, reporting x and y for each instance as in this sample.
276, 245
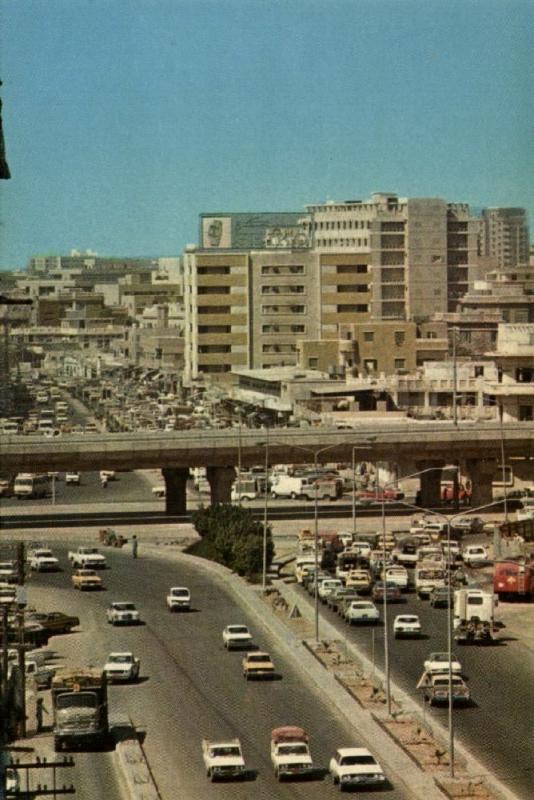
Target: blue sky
124, 119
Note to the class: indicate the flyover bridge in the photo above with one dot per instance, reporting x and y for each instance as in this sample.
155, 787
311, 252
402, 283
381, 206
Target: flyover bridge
413, 446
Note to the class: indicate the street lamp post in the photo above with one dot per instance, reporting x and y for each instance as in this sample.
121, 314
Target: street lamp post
265, 514
383, 489
449, 520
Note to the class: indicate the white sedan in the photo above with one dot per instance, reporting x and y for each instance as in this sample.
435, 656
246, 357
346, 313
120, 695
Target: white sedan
356, 766
439, 662
407, 626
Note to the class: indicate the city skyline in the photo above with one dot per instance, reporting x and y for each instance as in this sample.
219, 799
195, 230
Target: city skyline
124, 122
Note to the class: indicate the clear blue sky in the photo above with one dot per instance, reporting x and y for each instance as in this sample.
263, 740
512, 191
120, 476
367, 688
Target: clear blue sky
124, 119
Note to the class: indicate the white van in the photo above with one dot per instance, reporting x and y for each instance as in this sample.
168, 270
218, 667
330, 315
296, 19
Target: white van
28, 485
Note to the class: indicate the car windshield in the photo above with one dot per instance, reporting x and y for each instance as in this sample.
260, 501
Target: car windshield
411, 620
238, 629
124, 607
349, 760
226, 751
120, 659
180, 592
259, 659
293, 749
445, 681
77, 699
362, 605
88, 573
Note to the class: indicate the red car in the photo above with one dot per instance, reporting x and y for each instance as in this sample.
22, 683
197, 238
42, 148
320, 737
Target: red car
377, 495
390, 590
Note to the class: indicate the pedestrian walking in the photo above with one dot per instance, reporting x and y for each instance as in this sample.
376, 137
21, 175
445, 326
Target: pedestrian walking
39, 711
135, 545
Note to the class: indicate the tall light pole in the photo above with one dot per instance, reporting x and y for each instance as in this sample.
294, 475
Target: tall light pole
265, 514
315, 452
448, 521
383, 489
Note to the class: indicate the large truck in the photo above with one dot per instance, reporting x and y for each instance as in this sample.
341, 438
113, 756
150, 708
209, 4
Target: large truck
513, 579
80, 708
474, 616
28, 485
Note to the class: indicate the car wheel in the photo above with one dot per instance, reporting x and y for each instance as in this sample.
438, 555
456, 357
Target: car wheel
293, 496
273, 495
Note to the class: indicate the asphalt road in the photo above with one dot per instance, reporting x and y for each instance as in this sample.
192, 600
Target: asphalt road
190, 686
499, 726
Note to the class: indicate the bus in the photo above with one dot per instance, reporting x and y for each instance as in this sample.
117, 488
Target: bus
29, 485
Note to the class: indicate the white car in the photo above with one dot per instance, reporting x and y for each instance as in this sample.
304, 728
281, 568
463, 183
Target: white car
179, 599
122, 667
8, 593
439, 662
406, 626
108, 474
72, 478
362, 611
43, 560
123, 614
328, 586
235, 636
475, 555
356, 766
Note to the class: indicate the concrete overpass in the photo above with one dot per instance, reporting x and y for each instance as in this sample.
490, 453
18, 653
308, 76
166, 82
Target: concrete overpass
413, 446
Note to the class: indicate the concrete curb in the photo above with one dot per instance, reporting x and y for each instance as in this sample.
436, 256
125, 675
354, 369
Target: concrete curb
135, 769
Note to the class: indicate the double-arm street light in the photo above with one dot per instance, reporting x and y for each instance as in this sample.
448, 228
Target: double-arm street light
383, 488
449, 520
315, 452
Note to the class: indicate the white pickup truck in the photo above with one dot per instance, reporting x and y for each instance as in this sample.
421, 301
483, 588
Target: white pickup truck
223, 759
290, 753
122, 667
43, 560
179, 599
89, 557
41, 673
235, 636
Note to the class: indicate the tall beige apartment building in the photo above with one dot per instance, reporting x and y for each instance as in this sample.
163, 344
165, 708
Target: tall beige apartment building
258, 284
505, 236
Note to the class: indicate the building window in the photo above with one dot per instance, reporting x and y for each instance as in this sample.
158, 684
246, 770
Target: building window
214, 290
283, 269
370, 364
214, 329
213, 270
368, 336
431, 335
351, 308
400, 338
214, 348
352, 287
213, 309
400, 363
479, 372
526, 413
313, 363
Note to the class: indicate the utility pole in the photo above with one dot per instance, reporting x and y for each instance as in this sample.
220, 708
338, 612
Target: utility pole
21, 645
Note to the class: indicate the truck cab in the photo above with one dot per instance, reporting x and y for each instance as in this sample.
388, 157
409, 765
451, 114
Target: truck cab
290, 753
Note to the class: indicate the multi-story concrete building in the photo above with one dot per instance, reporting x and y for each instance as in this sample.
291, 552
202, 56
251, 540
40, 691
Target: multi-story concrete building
509, 294
505, 236
259, 284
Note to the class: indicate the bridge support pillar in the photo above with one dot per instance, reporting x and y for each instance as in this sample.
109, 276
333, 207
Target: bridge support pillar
175, 489
481, 474
220, 480
429, 494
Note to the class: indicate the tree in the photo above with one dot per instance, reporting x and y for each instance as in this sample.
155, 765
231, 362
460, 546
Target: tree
233, 537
